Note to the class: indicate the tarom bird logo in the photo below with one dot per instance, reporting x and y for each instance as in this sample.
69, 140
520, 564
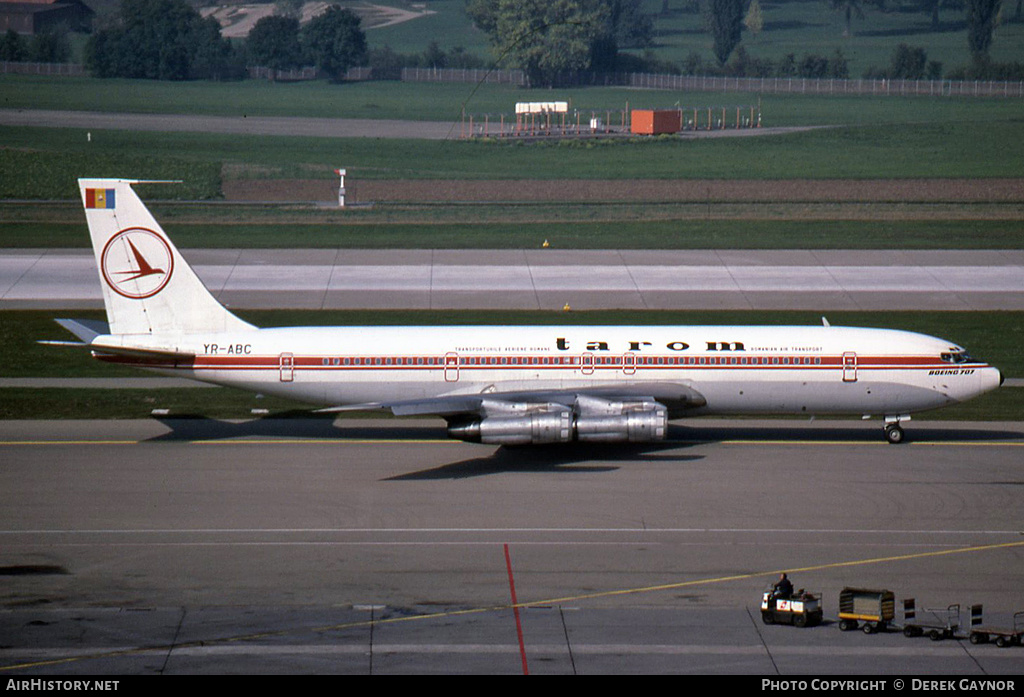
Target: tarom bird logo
144, 268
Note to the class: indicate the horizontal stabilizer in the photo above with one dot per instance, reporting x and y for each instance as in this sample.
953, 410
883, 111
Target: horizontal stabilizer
143, 352
85, 329
49, 342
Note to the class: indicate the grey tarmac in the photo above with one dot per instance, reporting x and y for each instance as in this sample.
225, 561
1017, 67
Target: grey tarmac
377, 546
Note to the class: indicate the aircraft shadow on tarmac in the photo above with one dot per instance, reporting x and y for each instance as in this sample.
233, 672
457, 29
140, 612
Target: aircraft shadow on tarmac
303, 425
563, 458
956, 432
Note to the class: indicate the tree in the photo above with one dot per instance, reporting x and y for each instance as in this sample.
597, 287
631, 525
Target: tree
932, 8
629, 26
754, 21
50, 47
158, 40
908, 63
981, 22
547, 39
274, 43
849, 8
726, 17
334, 41
12, 47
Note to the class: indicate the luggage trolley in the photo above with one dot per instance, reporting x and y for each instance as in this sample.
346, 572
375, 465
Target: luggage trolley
1001, 636
875, 608
945, 626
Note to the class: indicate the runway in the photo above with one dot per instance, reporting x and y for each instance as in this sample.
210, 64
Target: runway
548, 279
358, 547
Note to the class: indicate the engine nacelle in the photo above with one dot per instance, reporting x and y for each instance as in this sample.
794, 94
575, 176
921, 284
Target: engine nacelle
632, 427
536, 429
643, 423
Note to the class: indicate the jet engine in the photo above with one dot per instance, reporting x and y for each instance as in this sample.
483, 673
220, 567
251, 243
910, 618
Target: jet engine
536, 428
590, 419
632, 427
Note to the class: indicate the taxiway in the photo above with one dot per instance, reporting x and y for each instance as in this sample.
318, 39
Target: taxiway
306, 545
818, 280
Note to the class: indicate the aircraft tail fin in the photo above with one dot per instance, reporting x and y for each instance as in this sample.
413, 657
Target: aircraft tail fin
148, 287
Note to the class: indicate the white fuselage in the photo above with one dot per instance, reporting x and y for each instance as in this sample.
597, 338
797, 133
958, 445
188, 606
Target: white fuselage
737, 369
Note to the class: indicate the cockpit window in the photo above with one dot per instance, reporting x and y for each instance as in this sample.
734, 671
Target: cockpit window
956, 357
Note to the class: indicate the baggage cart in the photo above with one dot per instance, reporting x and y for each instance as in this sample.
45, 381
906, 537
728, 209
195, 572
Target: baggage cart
875, 608
1000, 636
944, 622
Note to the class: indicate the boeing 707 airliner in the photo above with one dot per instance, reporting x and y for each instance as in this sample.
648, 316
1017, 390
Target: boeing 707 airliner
498, 384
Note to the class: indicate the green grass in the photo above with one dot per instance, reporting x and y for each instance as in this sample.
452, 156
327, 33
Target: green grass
445, 101
44, 163
29, 174
449, 26
619, 232
139, 403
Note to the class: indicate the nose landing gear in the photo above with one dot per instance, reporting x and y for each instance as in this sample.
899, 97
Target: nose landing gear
893, 431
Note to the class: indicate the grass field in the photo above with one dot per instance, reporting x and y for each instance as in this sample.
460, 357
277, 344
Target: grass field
445, 101
868, 137
997, 337
482, 227
43, 162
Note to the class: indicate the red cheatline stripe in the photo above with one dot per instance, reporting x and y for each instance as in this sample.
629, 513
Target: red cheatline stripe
515, 610
272, 362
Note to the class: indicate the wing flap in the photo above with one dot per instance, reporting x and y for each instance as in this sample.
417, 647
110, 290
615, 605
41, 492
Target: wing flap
675, 396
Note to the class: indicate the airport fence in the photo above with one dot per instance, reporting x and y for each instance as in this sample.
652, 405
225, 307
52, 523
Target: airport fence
760, 85
17, 68
472, 75
652, 81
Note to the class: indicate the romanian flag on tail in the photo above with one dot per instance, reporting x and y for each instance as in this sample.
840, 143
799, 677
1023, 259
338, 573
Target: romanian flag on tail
99, 198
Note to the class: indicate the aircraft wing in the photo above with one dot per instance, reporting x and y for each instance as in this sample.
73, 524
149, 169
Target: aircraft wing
676, 397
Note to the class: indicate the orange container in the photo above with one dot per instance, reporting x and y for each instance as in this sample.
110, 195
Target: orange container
651, 122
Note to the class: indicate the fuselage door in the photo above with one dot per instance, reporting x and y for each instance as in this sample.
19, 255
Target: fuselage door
451, 367
629, 363
587, 364
849, 367
286, 363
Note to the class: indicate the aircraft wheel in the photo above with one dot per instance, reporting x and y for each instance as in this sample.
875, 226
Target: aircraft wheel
894, 434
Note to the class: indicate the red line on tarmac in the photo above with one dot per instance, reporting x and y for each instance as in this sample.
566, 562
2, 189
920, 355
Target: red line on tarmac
515, 610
